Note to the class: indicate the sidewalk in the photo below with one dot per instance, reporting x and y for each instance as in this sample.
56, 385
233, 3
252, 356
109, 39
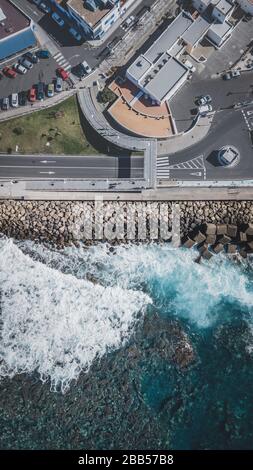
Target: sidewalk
183, 141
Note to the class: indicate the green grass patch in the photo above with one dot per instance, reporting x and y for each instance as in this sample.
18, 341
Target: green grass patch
56, 130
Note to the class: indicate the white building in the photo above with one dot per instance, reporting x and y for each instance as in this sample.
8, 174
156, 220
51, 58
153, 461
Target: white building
94, 17
246, 5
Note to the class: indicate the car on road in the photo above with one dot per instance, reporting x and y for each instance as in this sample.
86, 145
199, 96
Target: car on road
62, 73
58, 19
9, 72
31, 57
58, 84
40, 91
50, 90
204, 99
26, 63
22, 98
44, 7
128, 23
235, 73
1, 75
5, 104
32, 94
86, 67
19, 68
43, 54
14, 100
37, 2
75, 34
78, 70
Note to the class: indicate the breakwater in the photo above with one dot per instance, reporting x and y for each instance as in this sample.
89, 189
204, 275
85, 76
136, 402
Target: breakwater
212, 226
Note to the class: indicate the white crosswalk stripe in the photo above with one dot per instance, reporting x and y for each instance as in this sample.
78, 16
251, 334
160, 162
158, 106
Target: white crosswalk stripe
61, 61
164, 168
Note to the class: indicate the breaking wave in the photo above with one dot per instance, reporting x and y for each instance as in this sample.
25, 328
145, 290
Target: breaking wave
55, 323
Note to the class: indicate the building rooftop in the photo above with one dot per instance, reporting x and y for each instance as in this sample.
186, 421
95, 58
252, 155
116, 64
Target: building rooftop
168, 38
196, 31
221, 29
224, 6
91, 17
13, 20
163, 77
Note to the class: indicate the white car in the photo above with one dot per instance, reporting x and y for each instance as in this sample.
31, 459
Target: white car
19, 68
58, 19
14, 100
204, 109
86, 67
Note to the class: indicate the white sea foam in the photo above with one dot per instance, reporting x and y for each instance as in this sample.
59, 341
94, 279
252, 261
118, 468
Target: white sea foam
176, 284
55, 323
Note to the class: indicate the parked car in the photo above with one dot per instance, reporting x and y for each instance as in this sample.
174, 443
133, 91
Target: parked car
32, 94
22, 98
43, 54
75, 34
78, 70
86, 67
37, 2
50, 90
1, 75
58, 84
235, 73
14, 100
204, 99
9, 72
204, 109
26, 63
62, 73
44, 7
31, 57
40, 91
19, 68
58, 19
5, 104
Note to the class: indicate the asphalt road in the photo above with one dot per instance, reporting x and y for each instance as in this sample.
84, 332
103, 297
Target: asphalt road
84, 167
224, 93
200, 162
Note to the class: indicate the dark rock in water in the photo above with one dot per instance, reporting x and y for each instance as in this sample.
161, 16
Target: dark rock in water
202, 248
249, 230
243, 252
221, 229
243, 237
232, 231
207, 254
211, 239
200, 237
224, 240
198, 259
210, 229
189, 243
231, 248
218, 247
250, 247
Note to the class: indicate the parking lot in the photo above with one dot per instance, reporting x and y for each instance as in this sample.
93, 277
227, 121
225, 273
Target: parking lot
224, 94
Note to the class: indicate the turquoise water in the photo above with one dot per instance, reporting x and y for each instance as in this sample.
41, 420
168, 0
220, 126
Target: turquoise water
125, 347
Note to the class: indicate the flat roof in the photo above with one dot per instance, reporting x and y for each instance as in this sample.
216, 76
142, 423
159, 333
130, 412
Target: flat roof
91, 17
221, 29
139, 67
162, 82
168, 38
15, 20
224, 6
196, 31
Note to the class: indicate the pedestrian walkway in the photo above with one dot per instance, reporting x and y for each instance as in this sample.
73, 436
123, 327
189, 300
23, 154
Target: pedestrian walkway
61, 61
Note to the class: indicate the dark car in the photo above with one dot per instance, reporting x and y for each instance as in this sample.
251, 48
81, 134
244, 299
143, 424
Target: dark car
5, 104
32, 57
22, 98
43, 54
78, 70
40, 91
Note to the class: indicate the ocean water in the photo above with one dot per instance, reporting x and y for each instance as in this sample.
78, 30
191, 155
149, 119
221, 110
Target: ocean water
127, 347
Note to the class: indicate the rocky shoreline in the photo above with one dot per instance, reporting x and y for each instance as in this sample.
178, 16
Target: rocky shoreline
212, 226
